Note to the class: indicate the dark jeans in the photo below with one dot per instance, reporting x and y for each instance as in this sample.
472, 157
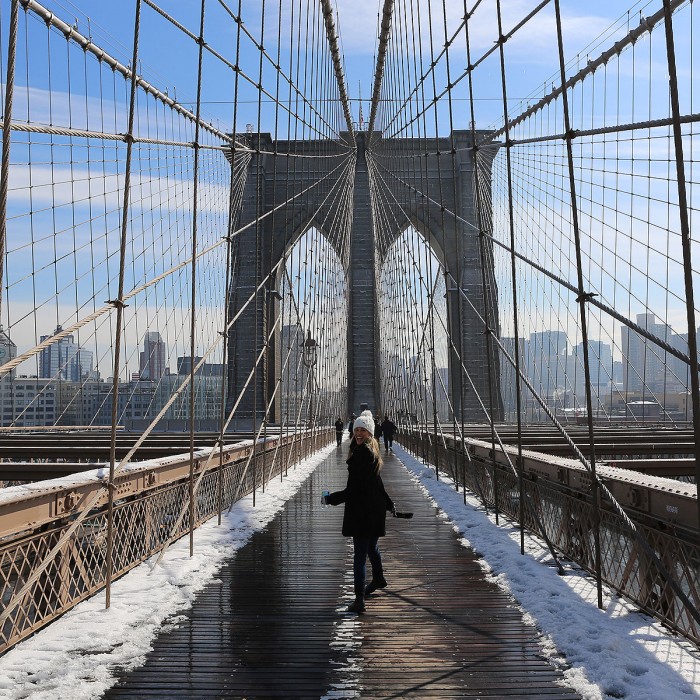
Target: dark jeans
388, 441
365, 547
339, 437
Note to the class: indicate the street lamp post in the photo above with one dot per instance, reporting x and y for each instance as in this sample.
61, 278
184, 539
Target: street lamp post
310, 357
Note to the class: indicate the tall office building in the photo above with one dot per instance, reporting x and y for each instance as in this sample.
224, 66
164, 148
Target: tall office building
207, 369
550, 343
647, 367
65, 359
600, 362
152, 358
547, 363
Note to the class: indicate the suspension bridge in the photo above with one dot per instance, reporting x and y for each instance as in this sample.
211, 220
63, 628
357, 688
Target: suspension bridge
208, 259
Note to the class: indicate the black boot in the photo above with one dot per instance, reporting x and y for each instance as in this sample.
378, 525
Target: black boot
358, 605
378, 581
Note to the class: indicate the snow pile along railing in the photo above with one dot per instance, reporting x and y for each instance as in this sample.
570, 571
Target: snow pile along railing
648, 538
149, 499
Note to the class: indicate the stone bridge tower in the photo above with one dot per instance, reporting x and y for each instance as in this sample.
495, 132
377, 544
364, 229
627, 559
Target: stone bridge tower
264, 242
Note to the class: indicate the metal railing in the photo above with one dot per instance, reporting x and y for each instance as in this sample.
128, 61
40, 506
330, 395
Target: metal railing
148, 502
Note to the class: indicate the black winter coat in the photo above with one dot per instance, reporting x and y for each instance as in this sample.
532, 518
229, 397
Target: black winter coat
366, 501
388, 428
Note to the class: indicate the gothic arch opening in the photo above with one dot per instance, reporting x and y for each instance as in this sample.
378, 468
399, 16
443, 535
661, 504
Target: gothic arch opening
312, 333
413, 331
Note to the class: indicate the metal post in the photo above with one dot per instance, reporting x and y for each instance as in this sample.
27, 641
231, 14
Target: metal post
118, 303
193, 297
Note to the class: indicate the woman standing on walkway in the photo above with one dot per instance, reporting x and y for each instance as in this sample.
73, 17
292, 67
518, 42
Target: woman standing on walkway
366, 504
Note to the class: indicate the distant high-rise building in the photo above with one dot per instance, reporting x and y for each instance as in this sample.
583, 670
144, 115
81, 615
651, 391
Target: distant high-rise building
648, 367
293, 372
152, 358
618, 375
547, 362
508, 376
550, 343
600, 362
64, 359
206, 369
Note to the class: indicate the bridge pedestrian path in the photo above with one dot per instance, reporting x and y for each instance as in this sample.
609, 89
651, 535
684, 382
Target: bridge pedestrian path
273, 624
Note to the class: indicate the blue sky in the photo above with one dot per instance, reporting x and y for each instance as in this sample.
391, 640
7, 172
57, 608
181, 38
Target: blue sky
169, 58
169, 62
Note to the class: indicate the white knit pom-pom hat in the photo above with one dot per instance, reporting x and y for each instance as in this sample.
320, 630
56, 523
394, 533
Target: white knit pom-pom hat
364, 420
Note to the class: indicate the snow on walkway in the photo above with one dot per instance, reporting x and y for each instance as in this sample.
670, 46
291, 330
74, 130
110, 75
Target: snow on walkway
76, 657
614, 653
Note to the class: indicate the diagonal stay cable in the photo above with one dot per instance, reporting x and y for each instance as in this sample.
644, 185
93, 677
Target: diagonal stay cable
7, 367
236, 68
591, 298
88, 46
642, 541
490, 419
204, 469
646, 25
95, 498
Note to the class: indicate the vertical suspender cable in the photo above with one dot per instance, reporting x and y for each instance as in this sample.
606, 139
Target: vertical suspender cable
431, 297
483, 256
422, 389
271, 290
511, 226
259, 246
289, 264
7, 137
259, 194
686, 240
582, 298
193, 300
119, 304
229, 272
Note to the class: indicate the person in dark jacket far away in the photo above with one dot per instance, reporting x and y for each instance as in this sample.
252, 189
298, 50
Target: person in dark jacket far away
388, 430
339, 428
377, 429
366, 504
351, 423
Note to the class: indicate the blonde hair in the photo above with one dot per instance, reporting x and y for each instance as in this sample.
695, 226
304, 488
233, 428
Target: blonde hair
373, 445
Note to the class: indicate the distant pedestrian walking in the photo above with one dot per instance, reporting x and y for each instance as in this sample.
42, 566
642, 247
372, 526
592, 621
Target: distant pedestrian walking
366, 504
388, 430
339, 428
351, 423
377, 429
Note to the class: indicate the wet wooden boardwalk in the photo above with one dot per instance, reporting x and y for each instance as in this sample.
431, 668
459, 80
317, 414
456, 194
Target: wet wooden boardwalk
274, 626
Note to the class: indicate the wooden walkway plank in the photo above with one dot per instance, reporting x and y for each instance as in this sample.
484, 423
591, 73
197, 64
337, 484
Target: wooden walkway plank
273, 623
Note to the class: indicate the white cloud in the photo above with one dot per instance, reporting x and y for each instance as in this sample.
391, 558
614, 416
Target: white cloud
359, 28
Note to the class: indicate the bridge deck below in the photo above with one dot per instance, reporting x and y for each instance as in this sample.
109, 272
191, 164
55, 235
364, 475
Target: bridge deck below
273, 624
